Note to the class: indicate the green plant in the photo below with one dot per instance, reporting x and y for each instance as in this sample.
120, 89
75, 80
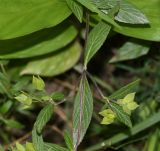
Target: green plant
41, 40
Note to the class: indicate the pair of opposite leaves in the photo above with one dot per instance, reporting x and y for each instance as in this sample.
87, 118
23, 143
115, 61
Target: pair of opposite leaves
127, 103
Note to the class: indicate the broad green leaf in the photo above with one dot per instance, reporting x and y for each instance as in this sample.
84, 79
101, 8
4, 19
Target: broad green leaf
29, 147
54, 147
120, 114
24, 99
122, 92
82, 114
130, 50
68, 140
90, 5
37, 140
38, 83
39, 43
55, 63
20, 147
147, 32
43, 117
5, 107
13, 123
126, 12
96, 38
21, 17
76, 8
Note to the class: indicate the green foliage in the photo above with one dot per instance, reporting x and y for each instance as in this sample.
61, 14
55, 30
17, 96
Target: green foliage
127, 12
68, 140
95, 40
53, 65
131, 50
108, 115
24, 99
13, 124
49, 40
24, 19
82, 114
6, 107
151, 32
57, 96
39, 38
76, 8
122, 92
43, 117
121, 115
128, 104
38, 83
29, 147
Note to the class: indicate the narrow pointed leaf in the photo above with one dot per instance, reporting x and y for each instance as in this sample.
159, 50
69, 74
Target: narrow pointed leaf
95, 40
122, 92
120, 114
68, 140
76, 8
43, 117
37, 140
83, 108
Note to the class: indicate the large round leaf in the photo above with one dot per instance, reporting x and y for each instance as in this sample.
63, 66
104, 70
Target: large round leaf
56, 63
21, 17
151, 8
38, 43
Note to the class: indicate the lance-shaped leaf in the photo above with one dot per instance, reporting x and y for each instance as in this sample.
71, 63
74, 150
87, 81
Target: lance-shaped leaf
37, 140
83, 108
76, 8
122, 92
43, 117
120, 114
95, 40
21, 17
68, 140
